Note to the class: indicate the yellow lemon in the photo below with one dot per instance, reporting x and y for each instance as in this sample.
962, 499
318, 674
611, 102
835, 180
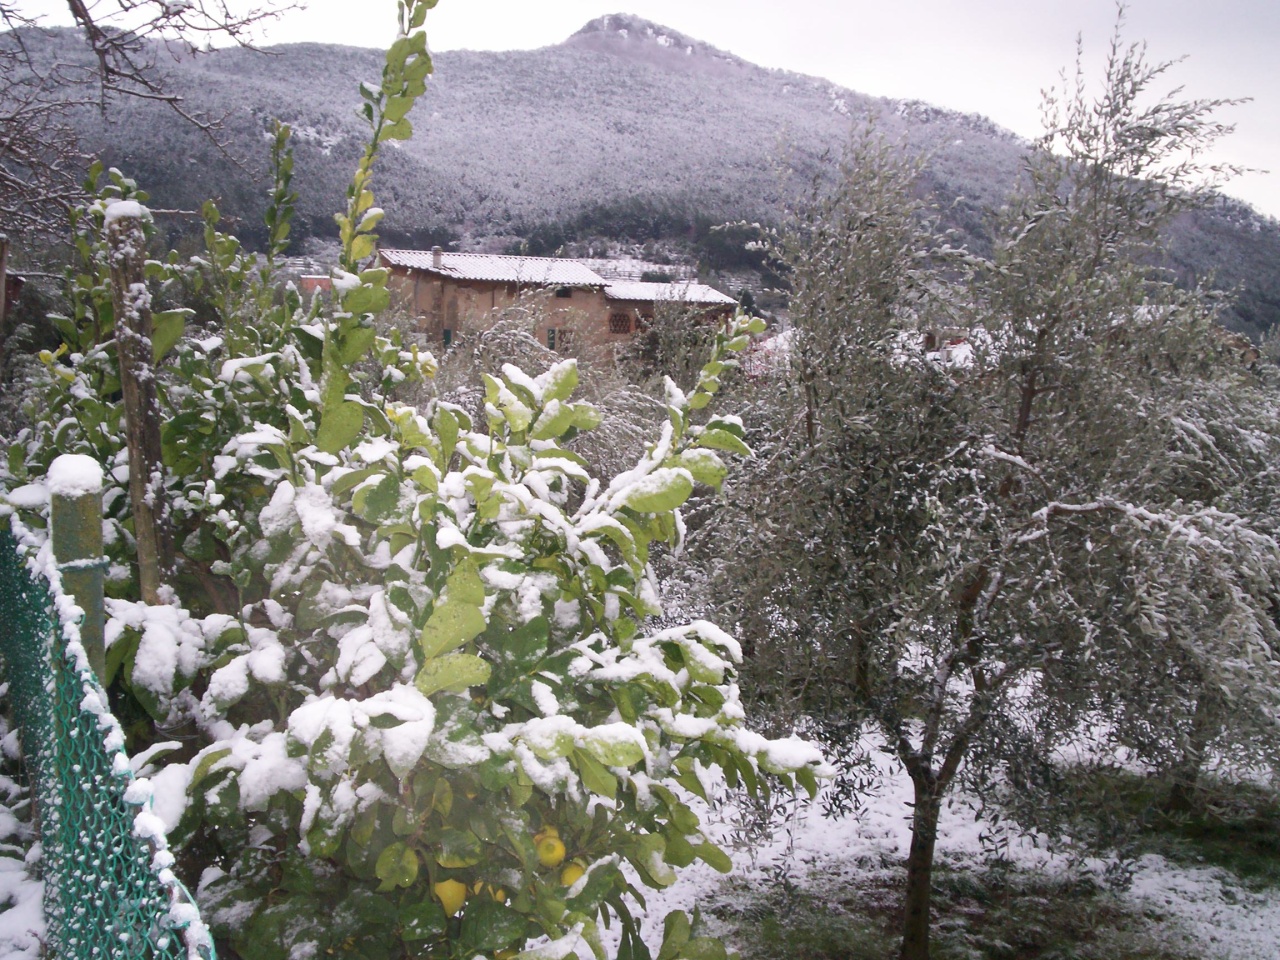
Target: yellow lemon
550, 851
452, 894
571, 874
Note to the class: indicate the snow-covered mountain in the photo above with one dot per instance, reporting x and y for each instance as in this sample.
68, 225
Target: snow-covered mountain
627, 129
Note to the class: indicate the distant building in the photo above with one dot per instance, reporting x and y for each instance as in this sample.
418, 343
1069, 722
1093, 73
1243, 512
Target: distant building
452, 292
632, 303
309, 284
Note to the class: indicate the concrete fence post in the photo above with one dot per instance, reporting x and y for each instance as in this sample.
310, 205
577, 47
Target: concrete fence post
75, 488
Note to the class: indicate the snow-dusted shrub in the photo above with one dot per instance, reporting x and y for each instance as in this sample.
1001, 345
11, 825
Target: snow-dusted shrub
418, 707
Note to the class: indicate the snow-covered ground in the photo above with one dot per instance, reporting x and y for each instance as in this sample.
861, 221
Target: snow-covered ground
21, 893
1203, 911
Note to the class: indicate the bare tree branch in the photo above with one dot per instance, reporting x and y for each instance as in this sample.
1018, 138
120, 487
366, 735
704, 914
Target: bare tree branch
40, 162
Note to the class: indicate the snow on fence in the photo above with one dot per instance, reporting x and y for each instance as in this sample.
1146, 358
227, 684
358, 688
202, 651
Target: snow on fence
110, 892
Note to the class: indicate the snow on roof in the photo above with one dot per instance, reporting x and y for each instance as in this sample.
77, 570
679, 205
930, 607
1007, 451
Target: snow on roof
541, 271
618, 269
668, 292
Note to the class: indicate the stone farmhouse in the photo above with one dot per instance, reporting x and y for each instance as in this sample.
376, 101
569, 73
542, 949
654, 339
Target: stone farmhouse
452, 292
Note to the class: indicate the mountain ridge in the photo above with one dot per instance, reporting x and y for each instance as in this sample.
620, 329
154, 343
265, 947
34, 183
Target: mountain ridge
624, 132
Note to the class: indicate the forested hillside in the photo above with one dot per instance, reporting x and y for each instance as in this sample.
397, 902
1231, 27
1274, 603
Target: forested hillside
625, 131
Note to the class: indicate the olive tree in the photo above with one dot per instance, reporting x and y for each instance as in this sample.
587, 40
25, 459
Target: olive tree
1059, 534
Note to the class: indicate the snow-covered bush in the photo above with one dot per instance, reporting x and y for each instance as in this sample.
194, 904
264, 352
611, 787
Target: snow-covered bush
404, 700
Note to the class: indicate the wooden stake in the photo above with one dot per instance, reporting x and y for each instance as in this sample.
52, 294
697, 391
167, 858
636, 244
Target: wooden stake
127, 243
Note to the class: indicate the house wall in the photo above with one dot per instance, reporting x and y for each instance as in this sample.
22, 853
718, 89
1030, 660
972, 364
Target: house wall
440, 303
640, 313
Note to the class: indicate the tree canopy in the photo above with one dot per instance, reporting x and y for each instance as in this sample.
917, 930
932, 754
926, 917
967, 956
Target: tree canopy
1010, 509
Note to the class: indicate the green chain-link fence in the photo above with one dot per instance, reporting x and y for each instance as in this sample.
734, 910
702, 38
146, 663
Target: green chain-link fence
109, 893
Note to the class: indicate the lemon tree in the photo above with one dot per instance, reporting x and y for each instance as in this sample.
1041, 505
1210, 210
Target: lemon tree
424, 711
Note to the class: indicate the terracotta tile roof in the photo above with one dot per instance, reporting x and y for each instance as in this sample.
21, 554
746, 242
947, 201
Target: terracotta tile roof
678, 292
533, 271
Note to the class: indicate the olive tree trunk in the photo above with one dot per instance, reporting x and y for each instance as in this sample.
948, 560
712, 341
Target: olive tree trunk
919, 893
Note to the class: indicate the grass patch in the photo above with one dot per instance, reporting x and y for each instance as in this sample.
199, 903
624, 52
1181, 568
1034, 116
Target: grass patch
1234, 826
791, 924
979, 914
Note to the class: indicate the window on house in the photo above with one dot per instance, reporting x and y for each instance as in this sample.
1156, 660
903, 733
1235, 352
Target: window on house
619, 323
551, 338
447, 336
564, 292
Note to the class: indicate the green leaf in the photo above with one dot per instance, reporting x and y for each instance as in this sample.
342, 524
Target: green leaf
206, 764
714, 857
676, 930
400, 130
687, 777
371, 909
397, 866
166, 330
806, 778
120, 653
353, 478
660, 492
397, 108
454, 672
585, 416
560, 381
705, 467
339, 426
682, 817
553, 421
450, 625
356, 341
377, 501
488, 925
595, 777
680, 852
612, 751
424, 920
447, 428
717, 439
459, 849
464, 584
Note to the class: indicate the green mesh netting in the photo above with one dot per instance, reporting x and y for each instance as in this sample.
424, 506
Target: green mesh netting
104, 896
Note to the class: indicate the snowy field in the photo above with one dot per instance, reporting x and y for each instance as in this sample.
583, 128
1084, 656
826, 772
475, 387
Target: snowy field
1203, 913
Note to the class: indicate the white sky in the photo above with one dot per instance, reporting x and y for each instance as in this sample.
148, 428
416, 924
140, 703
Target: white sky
984, 56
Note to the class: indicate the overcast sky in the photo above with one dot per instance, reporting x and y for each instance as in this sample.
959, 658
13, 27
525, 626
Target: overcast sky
985, 56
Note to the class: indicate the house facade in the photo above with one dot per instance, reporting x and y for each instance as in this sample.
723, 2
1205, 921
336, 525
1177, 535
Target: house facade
632, 303
452, 292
